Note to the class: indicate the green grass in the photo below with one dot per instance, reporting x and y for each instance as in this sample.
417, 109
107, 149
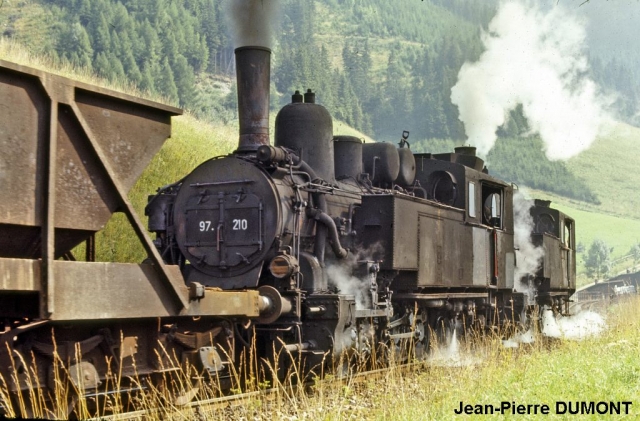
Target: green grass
618, 233
341, 128
610, 167
192, 142
29, 22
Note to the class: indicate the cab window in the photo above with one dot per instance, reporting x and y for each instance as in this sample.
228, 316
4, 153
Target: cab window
471, 200
492, 205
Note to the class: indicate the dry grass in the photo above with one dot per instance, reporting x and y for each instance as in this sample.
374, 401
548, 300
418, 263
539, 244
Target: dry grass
481, 371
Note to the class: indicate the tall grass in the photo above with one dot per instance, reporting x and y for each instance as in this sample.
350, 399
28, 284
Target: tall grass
605, 368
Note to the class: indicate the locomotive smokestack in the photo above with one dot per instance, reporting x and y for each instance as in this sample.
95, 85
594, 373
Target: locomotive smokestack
253, 75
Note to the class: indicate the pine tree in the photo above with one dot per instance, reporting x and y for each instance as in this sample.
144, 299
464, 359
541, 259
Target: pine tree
153, 46
184, 81
116, 68
102, 66
166, 84
146, 83
210, 32
101, 35
74, 45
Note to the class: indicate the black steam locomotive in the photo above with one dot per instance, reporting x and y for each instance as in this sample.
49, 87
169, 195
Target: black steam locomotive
315, 247
351, 244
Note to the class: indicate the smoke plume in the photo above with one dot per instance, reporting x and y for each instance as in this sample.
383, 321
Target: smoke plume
252, 21
536, 58
528, 256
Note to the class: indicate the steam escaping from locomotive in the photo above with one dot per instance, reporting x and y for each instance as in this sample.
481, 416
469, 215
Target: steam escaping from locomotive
449, 353
578, 326
351, 277
253, 21
536, 58
528, 256
527, 337
342, 278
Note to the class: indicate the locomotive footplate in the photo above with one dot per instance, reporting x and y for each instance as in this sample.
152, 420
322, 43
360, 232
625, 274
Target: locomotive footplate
382, 312
552, 293
441, 296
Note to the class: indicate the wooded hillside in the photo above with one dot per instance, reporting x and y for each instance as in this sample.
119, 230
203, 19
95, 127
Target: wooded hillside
380, 66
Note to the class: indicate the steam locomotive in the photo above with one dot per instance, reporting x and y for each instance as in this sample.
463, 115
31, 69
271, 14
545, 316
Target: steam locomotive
315, 247
349, 244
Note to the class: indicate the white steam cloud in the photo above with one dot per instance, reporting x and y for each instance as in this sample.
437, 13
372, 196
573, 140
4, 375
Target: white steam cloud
341, 277
528, 257
582, 325
252, 21
536, 58
340, 274
527, 337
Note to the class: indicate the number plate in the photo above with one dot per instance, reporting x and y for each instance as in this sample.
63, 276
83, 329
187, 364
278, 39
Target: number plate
232, 239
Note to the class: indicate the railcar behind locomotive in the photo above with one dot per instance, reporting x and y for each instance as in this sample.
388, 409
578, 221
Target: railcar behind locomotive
316, 246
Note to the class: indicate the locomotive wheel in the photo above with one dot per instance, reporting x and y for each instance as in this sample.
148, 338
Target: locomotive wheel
419, 346
421, 343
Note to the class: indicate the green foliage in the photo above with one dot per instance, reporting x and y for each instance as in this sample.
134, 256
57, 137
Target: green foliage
597, 261
381, 67
137, 38
534, 169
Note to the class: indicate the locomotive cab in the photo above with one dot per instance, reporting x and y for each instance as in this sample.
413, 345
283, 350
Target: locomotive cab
459, 180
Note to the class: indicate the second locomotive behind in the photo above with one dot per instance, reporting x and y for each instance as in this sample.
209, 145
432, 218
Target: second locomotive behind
352, 245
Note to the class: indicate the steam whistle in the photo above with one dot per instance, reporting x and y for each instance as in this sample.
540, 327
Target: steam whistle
403, 140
